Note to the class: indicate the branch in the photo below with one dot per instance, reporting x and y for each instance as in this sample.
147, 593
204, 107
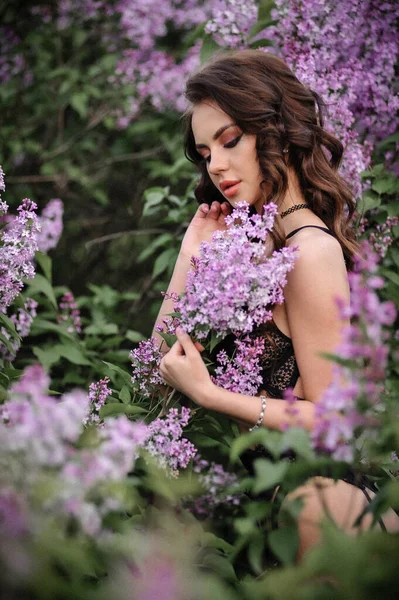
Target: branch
115, 236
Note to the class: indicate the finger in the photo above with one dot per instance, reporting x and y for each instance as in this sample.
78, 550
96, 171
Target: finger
214, 211
176, 350
199, 346
226, 208
186, 342
202, 211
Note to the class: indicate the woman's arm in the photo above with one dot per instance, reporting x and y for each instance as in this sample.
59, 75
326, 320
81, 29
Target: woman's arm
205, 222
318, 278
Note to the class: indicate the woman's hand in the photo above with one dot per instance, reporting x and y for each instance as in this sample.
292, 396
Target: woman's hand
183, 369
203, 225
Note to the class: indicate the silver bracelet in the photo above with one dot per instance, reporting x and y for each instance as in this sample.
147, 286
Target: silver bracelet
262, 414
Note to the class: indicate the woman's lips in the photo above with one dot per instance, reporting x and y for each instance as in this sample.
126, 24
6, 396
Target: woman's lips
232, 190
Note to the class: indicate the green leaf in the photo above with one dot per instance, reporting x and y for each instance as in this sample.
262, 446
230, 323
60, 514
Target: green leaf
124, 395
208, 49
284, 542
215, 340
153, 197
261, 25
78, 101
40, 325
9, 325
7, 343
394, 277
383, 186
155, 244
117, 408
268, 474
220, 565
163, 261
72, 353
368, 201
297, 439
45, 263
261, 43
42, 285
47, 357
169, 339
134, 336
126, 377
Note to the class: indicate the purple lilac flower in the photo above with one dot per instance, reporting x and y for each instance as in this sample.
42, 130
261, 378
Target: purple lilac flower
234, 282
38, 437
11, 62
51, 225
351, 67
221, 488
16, 253
166, 444
70, 314
22, 320
382, 238
350, 403
231, 21
98, 394
241, 373
145, 367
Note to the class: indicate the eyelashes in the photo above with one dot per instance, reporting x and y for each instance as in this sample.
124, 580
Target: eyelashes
231, 144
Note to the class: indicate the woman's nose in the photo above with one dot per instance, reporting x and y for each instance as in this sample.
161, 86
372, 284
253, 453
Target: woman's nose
218, 163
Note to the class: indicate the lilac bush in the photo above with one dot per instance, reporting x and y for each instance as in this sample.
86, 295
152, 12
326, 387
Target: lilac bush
347, 53
352, 402
39, 439
98, 394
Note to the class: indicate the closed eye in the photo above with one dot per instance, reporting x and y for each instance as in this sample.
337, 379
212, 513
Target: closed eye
231, 144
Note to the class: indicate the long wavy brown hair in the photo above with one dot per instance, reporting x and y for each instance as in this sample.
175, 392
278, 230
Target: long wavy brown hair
264, 98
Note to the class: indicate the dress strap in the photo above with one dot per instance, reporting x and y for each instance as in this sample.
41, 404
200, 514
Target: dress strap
304, 226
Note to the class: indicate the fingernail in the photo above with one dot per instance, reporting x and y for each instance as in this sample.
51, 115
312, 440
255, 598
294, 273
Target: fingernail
180, 330
205, 208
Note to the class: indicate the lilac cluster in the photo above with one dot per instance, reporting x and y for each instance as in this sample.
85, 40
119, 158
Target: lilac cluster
165, 442
39, 437
145, 367
351, 402
98, 394
234, 281
22, 320
382, 238
346, 52
11, 62
242, 372
18, 246
221, 488
231, 22
157, 78
51, 225
70, 314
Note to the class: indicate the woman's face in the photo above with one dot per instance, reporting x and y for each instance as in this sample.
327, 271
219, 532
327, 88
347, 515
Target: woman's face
230, 154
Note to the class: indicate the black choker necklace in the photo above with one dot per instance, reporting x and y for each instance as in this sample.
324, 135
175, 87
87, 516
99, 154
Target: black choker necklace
293, 209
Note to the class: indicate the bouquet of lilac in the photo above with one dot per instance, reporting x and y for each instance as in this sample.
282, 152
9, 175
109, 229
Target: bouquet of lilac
235, 281
230, 289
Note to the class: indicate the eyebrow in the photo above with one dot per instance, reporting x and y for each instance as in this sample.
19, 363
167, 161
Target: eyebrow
216, 135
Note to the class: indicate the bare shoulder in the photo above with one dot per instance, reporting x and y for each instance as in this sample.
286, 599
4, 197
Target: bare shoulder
320, 263
317, 248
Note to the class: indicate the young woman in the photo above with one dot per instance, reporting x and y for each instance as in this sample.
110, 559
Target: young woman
256, 134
